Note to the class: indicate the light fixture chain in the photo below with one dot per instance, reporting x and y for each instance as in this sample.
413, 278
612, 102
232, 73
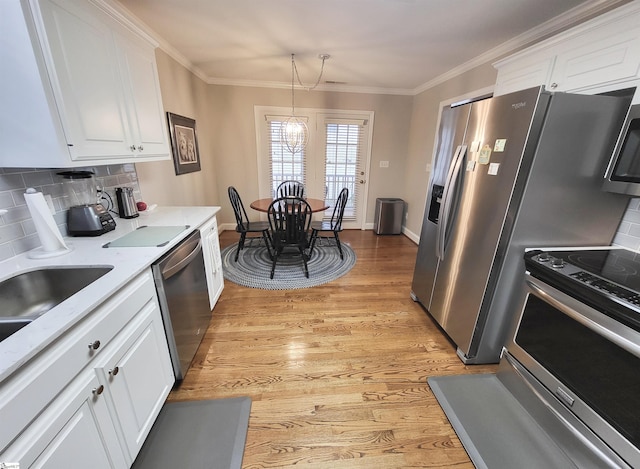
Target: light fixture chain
294, 133
295, 68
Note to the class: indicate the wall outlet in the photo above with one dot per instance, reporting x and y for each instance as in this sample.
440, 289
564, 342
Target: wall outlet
384, 164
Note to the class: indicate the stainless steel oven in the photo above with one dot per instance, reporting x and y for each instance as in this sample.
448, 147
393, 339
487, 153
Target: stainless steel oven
579, 336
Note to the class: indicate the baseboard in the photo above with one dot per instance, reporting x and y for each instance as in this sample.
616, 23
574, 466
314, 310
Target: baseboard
368, 226
411, 235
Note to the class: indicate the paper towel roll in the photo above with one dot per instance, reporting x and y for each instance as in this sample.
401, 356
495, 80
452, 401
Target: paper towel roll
48, 232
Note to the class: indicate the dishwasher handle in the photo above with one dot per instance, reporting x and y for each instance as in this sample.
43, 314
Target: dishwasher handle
178, 261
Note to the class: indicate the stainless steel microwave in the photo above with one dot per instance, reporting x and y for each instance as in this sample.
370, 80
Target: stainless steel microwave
623, 172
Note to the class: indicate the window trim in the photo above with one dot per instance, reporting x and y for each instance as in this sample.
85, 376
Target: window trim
313, 116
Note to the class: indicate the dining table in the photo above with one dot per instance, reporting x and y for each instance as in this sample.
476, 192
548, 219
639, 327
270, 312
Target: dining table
262, 205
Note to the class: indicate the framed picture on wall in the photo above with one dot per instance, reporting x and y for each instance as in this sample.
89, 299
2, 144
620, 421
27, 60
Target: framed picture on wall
184, 143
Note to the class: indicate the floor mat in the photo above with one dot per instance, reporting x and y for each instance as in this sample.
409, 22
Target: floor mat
494, 428
197, 435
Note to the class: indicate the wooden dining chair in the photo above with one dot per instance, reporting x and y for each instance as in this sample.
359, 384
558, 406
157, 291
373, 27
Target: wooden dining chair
246, 227
289, 226
334, 225
290, 189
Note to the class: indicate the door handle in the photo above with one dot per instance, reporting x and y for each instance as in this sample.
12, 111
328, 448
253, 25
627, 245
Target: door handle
449, 192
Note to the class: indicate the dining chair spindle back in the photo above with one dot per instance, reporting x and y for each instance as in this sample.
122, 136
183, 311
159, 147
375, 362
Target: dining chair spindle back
289, 226
334, 225
244, 226
290, 189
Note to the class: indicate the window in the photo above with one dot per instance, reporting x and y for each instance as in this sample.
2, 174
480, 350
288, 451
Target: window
283, 165
336, 156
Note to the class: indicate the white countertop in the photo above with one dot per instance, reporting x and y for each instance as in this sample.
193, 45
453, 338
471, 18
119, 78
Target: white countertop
127, 263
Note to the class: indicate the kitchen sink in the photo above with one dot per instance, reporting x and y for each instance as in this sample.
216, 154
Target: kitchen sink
27, 296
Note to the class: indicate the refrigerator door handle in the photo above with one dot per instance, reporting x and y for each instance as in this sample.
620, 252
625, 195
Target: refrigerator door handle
450, 190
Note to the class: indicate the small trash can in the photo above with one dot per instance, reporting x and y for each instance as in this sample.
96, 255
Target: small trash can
388, 219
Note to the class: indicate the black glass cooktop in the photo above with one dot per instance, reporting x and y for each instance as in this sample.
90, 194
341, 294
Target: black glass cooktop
607, 279
616, 265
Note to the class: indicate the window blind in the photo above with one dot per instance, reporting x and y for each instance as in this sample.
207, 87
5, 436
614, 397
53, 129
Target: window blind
344, 152
283, 165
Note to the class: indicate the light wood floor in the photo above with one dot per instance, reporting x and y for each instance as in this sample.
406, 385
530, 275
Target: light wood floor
337, 373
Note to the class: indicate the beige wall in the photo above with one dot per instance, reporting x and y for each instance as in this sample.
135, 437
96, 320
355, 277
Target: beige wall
426, 107
233, 125
184, 94
403, 134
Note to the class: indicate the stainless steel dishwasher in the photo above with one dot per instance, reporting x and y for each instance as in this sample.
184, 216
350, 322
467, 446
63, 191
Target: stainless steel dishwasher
181, 283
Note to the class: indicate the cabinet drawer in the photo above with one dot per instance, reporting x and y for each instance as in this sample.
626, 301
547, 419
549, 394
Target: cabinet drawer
25, 394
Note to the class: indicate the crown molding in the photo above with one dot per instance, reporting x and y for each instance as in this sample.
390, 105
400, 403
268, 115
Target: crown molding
568, 19
321, 87
161, 42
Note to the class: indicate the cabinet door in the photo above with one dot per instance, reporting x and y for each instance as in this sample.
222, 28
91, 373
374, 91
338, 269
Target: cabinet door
601, 58
523, 74
212, 261
144, 100
76, 430
83, 69
138, 376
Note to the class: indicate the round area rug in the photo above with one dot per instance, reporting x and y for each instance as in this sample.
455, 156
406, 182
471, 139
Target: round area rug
254, 266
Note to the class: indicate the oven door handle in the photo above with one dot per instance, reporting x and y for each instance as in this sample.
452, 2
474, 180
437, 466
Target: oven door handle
545, 294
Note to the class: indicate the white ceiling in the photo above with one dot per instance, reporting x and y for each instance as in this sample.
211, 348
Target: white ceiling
395, 46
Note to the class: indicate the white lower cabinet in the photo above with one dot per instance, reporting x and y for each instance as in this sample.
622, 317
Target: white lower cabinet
137, 377
212, 260
102, 416
76, 430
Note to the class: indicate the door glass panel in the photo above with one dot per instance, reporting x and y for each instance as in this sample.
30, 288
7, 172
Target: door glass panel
341, 166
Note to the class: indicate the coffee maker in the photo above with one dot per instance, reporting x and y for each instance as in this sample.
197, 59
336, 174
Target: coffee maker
86, 216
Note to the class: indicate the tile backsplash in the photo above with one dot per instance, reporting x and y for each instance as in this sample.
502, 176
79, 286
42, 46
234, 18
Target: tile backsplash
628, 234
17, 231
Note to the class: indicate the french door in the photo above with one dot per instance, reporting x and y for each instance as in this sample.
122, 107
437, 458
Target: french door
337, 156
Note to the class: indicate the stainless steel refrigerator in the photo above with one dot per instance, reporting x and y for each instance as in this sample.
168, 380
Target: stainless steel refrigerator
510, 172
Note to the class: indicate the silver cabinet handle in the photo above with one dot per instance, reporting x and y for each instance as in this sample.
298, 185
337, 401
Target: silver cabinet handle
114, 371
553, 86
132, 148
95, 345
99, 390
140, 148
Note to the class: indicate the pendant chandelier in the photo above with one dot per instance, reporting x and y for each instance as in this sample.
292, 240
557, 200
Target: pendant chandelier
294, 133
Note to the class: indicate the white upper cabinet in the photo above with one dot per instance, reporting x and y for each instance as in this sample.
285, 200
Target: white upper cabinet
84, 85
520, 75
145, 112
602, 54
